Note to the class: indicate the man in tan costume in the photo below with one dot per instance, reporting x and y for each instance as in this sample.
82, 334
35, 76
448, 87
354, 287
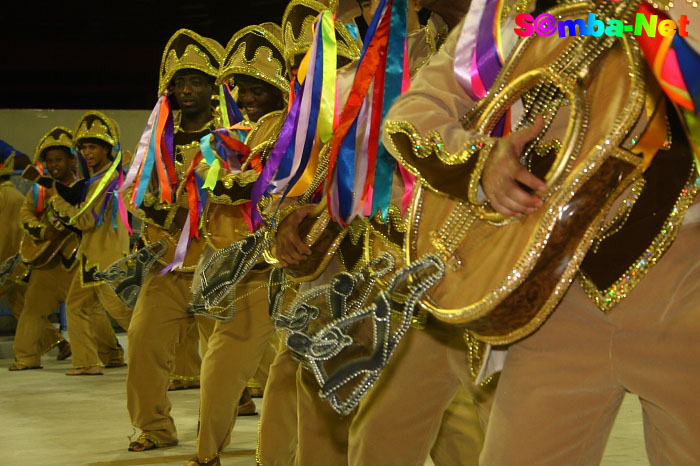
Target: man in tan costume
561, 387
104, 240
323, 434
50, 249
161, 320
253, 62
13, 285
278, 438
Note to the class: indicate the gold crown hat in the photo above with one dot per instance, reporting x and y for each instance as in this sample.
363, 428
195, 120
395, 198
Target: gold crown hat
58, 136
257, 51
297, 20
188, 50
97, 125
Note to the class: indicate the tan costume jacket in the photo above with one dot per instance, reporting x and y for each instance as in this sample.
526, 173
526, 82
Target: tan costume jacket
223, 224
36, 225
100, 245
164, 220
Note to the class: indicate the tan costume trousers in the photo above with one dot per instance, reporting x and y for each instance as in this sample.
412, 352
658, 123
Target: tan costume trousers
187, 359
564, 384
460, 438
15, 294
277, 441
159, 324
35, 334
400, 421
87, 324
259, 380
235, 350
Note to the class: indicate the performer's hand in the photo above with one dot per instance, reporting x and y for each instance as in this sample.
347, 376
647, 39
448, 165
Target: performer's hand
503, 171
50, 233
290, 249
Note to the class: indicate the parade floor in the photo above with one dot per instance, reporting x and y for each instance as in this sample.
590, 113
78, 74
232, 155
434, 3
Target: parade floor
49, 419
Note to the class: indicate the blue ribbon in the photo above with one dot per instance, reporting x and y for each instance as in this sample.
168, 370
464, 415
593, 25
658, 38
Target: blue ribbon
689, 62
148, 164
314, 111
392, 89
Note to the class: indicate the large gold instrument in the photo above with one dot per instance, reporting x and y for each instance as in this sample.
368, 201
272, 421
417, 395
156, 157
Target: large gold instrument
39, 253
504, 276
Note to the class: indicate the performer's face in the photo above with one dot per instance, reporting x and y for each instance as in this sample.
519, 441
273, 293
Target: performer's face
368, 9
58, 163
193, 91
96, 154
257, 97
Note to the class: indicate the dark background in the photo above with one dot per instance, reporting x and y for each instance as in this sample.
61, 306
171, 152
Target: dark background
105, 54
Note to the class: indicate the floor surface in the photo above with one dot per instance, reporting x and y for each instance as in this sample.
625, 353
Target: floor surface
49, 419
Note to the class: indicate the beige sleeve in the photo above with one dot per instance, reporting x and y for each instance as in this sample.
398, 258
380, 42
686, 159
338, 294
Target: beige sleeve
423, 130
65, 213
30, 221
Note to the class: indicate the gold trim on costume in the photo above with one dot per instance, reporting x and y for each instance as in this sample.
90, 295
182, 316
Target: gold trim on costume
606, 299
432, 143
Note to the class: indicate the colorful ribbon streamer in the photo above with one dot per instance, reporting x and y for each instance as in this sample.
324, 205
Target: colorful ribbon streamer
38, 191
293, 161
110, 188
155, 150
675, 65
360, 172
677, 68
225, 148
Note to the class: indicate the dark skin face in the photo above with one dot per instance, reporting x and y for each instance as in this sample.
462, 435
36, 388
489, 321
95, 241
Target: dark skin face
257, 97
96, 155
58, 162
193, 91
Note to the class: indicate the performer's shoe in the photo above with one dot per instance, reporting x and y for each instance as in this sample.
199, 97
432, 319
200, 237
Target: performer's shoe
64, 351
91, 370
246, 405
19, 366
115, 364
177, 384
144, 443
213, 462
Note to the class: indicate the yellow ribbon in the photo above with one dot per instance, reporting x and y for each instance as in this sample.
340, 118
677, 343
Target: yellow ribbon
100, 186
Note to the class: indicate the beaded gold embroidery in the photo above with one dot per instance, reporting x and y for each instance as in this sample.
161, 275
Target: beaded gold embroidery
432, 144
623, 213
